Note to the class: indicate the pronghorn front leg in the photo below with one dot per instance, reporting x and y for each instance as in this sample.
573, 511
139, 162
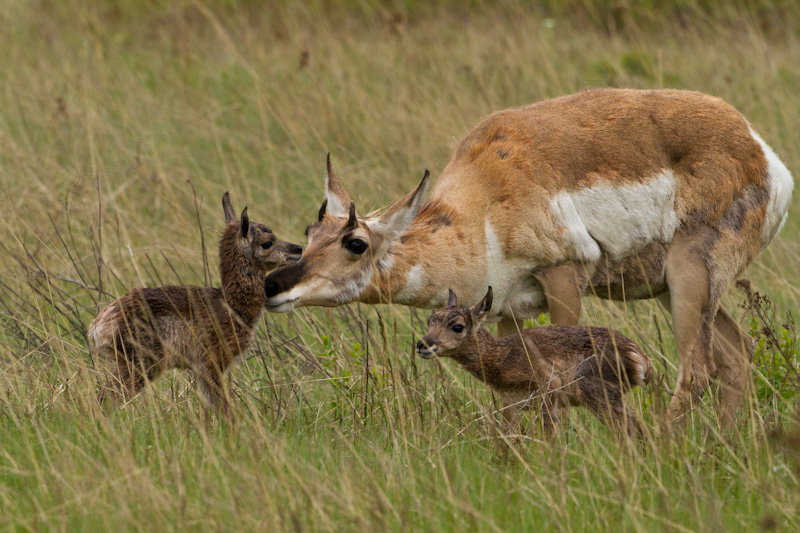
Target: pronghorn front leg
692, 319
508, 326
563, 286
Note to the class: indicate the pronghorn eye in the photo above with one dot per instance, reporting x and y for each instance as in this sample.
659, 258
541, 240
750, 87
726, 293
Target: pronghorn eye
458, 328
267, 245
356, 246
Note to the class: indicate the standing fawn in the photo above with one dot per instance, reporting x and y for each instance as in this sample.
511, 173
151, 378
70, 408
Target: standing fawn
201, 329
618, 193
553, 366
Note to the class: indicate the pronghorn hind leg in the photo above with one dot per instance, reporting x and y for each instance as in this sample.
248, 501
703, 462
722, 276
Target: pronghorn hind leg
733, 353
563, 286
692, 317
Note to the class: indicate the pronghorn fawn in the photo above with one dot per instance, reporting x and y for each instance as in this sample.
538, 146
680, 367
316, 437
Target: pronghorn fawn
620, 193
550, 367
201, 329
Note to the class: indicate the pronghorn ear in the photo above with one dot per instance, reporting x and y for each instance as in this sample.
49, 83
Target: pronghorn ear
452, 301
245, 227
482, 308
398, 217
230, 214
338, 201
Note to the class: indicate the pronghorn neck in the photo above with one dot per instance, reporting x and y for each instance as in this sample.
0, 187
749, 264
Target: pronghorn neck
405, 273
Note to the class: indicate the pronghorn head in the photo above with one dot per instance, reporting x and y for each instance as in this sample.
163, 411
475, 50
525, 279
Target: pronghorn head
452, 330
343, 250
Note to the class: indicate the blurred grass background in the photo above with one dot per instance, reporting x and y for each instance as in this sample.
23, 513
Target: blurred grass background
121, 125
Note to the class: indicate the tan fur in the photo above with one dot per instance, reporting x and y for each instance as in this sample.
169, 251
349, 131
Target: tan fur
583, 194
201, 329
551, 367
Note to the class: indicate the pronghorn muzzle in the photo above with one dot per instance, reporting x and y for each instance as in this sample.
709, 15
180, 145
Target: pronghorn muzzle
280, 282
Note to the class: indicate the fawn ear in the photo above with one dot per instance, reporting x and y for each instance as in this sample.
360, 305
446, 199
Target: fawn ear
482, 308
230, 214
245, 227
336, 197
452, 301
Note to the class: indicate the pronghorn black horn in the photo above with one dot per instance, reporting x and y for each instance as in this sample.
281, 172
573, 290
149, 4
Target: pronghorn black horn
322, 209
351, 221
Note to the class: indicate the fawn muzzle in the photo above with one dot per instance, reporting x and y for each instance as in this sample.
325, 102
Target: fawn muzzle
425, 349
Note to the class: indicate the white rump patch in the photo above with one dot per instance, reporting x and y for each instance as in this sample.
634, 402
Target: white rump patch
101, 330
780, 184
619, 219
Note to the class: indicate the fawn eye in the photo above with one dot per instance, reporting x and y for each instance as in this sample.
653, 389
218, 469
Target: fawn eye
356, 246
458, 328
267, 245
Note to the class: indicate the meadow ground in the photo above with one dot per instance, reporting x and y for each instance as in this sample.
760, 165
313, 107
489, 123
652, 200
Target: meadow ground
121, 125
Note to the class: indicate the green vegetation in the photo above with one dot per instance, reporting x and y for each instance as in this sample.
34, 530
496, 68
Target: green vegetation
121, 125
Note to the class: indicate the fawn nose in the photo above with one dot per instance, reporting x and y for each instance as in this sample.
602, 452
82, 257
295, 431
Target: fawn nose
296, 249
420, 346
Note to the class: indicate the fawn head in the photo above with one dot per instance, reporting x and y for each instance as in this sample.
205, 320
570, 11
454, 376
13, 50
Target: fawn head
453, 329
343, 250
255, 242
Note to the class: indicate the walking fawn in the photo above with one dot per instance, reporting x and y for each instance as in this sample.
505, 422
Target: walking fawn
552, 366
201, 329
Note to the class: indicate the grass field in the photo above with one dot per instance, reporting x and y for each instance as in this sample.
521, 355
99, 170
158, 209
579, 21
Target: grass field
121, 125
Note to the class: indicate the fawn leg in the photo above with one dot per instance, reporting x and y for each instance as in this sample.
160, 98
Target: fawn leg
510, 412
130, 374
604, 400
549, 414
211, 390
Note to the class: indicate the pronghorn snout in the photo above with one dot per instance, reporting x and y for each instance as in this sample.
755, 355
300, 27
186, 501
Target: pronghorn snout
426, 349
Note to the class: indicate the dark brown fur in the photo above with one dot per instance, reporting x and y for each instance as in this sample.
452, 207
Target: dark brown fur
550, 366
200, 329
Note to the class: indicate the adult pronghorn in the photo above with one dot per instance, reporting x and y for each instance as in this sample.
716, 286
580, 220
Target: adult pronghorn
620, 193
